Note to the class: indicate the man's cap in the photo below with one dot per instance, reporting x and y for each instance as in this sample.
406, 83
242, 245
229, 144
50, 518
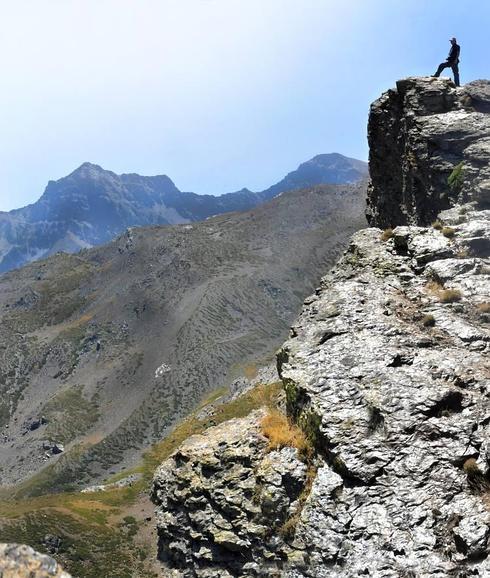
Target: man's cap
453, 38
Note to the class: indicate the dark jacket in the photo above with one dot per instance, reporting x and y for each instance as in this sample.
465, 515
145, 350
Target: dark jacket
454, 54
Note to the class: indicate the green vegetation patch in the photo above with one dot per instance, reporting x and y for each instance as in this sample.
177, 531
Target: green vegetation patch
88, 549
456, 178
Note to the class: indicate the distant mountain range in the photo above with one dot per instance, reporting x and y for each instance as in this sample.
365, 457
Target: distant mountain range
91, 206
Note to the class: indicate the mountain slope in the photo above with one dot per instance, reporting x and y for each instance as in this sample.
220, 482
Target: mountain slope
91, 206
106, 349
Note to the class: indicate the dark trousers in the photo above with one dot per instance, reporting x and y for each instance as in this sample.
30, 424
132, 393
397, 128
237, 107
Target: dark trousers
455, 68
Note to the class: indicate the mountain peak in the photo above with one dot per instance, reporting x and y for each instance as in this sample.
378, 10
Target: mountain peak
88, 169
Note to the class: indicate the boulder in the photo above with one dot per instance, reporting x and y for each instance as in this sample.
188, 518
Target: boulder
18, 561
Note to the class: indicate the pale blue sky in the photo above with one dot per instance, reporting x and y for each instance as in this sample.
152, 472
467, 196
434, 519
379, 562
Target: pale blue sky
218, 94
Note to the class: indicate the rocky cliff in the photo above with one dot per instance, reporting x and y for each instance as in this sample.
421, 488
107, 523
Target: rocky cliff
387, 373
429, 149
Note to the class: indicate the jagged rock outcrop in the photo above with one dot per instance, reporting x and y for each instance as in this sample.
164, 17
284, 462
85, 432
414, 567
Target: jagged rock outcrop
222, 499
418, 135
24, 562
388, 371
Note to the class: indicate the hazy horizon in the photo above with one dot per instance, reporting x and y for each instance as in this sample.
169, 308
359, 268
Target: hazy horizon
217, 94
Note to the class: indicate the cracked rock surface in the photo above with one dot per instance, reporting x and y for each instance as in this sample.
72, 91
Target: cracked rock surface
221, 500
403, 405
24, 562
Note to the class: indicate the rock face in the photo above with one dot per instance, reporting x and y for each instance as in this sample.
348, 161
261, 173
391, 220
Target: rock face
91, 206
418, 135
399, 382
24, 562
221, 500
388, 372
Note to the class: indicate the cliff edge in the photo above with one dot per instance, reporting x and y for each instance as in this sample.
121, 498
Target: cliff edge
422, 134
386, 371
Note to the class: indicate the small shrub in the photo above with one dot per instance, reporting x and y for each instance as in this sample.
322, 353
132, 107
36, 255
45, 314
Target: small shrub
484, 307
456, 178
387, 234
476, 478
471, 467
437, 225
450, 295
448, 232
281, 432
467, 102
462, 253
434, 287
428, 320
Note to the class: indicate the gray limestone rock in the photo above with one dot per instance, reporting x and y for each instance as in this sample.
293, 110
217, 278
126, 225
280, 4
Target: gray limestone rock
23, 562
401, 408
418, 134
222, 499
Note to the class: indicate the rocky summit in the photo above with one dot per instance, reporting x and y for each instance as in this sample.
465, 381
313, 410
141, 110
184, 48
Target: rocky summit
419, 134
386, 372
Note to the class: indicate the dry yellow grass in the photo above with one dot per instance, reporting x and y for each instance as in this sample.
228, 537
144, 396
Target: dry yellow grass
448, 232
443, 295
484, 307
281, 432
437, 225
386, 234
450, 295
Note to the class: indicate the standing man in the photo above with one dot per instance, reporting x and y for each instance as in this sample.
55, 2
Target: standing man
451, 62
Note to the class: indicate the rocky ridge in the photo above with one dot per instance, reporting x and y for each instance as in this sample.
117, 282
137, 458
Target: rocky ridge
387, 371
91, 206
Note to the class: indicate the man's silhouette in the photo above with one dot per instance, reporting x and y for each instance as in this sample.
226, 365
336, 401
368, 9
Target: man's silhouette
451, 62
